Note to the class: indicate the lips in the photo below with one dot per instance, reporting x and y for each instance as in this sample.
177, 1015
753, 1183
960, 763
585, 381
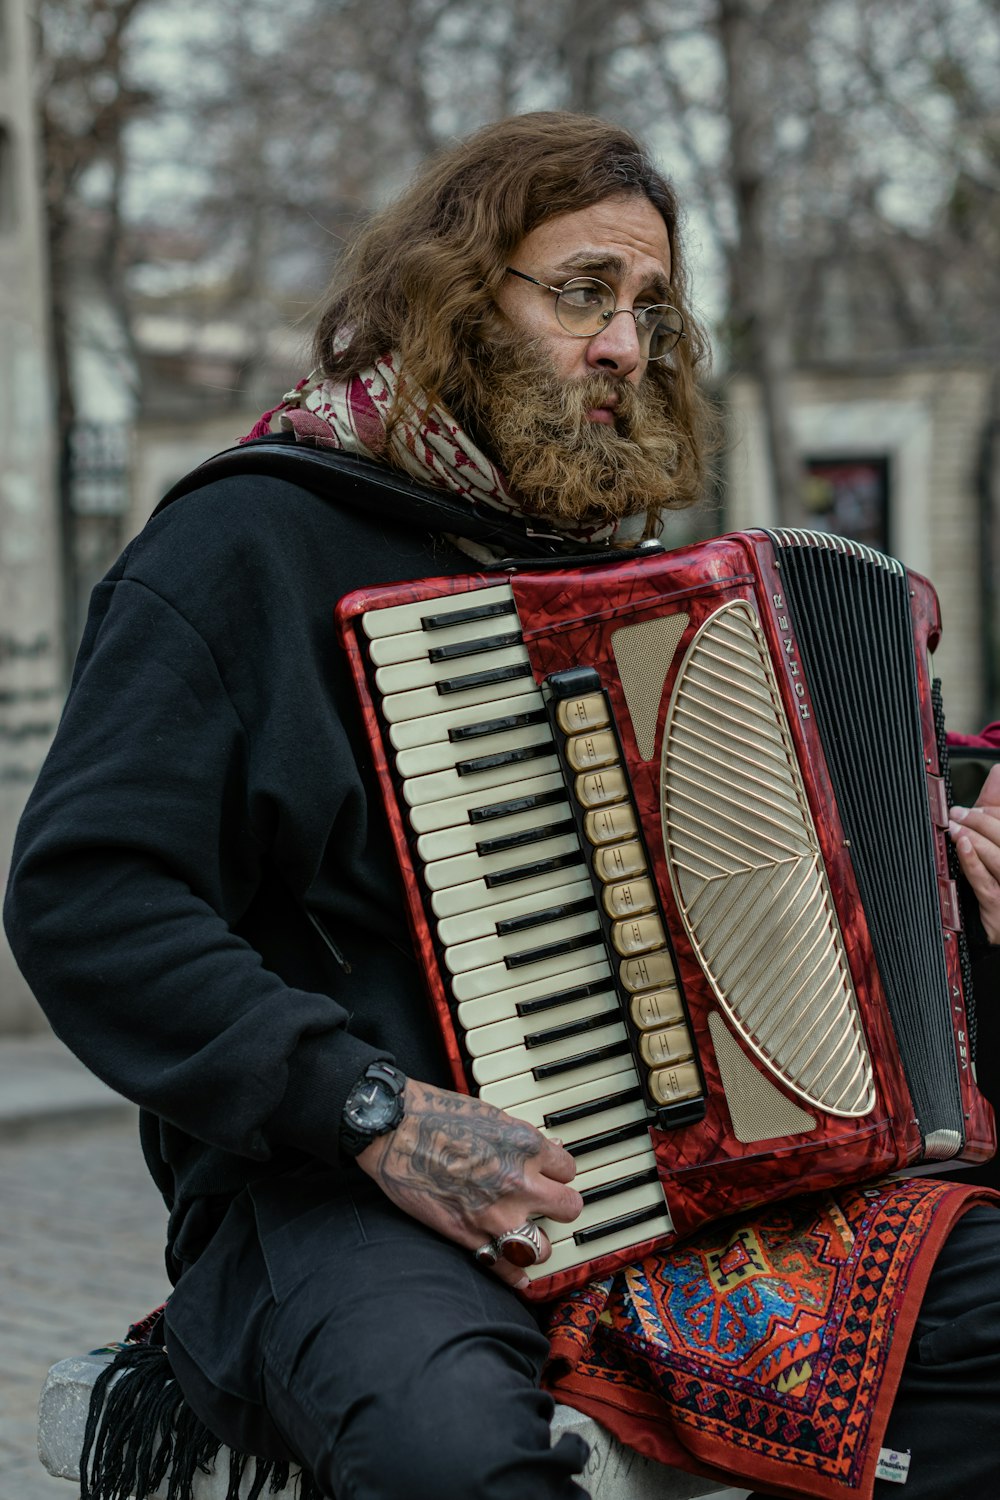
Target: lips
605, 412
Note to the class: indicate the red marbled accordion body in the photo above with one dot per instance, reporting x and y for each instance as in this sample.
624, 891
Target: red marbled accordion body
568, 617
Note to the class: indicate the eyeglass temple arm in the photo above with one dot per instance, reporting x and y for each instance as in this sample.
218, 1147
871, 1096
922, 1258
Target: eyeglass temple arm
534, 280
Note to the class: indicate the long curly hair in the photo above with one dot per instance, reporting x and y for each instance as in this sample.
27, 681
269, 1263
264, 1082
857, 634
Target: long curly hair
422, 276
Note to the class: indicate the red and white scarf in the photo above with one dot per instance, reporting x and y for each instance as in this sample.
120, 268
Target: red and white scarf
427, 444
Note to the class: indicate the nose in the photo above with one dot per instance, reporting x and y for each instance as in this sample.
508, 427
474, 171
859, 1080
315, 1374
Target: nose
616, 347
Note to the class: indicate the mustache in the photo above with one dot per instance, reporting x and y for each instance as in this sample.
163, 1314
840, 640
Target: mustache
558, 460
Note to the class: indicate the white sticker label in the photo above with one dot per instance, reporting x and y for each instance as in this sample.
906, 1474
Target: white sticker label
892, 1465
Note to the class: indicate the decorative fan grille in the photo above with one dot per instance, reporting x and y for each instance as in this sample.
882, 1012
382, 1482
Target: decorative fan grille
747, 871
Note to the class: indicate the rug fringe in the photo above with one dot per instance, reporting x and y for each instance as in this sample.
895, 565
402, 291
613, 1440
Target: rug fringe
142, 1434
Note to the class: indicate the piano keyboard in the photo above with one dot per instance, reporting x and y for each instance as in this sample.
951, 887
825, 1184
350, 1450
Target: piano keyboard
523, 935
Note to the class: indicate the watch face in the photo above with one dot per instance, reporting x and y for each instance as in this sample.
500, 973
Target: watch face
372, 1105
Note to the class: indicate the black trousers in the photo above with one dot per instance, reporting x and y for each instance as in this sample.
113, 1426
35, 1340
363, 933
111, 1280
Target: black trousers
335, 1331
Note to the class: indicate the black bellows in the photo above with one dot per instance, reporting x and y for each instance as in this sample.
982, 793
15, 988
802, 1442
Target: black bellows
852, 623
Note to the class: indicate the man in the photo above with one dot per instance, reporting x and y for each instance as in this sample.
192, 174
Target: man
204, 897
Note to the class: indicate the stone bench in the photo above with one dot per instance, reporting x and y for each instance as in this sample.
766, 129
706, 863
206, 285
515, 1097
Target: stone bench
613, 1472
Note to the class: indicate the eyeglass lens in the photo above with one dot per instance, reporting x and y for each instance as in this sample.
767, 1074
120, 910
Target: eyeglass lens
585, 306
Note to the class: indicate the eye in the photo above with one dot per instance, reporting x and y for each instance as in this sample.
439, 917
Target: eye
585, 296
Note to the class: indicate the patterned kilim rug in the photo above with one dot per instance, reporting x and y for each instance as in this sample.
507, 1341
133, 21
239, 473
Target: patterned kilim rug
766, 1351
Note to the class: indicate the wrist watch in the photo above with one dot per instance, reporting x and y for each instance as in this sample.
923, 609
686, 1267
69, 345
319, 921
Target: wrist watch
373, 1107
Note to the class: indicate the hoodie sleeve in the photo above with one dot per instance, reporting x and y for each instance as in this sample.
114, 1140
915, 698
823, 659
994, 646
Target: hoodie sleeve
140, 849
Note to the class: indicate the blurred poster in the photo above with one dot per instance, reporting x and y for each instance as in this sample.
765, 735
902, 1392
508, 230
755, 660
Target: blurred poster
849, 496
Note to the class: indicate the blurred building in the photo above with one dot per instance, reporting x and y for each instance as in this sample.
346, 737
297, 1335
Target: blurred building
904, 455
901, 453
31, 677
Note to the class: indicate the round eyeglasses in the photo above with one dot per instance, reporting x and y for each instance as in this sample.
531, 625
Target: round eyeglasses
585, 306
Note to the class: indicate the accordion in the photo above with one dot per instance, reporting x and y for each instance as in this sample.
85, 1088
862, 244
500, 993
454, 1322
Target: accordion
672, 832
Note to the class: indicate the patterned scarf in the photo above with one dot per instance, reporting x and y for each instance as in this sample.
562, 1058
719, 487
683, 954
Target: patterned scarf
427, 444
767, 1350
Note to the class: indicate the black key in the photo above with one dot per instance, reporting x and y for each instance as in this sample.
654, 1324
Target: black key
571, 1028
511, 925
497, 726
553, 950
482, 643
505, 758
580, 1060
483, 679
621, 1185
513, 805
630, 1132
505, 841
540, 867
590, 1107
563, 997
640, 1216
462, 616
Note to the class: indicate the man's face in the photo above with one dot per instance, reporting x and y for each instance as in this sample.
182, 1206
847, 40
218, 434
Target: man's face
622, 241
580, 434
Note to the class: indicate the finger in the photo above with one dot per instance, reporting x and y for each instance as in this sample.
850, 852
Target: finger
556, 1200
512, 1275
984, 884
507, 1272
984, 845
980, 870
984, 817
555, 1161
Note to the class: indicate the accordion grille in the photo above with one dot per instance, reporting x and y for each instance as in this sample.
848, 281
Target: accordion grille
747, 871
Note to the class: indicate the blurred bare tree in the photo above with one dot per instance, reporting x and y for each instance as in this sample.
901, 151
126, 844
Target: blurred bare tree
841, 158
88, 102
87, 105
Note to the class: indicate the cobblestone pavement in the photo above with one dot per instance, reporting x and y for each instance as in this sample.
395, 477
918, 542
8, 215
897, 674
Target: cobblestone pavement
81, 1257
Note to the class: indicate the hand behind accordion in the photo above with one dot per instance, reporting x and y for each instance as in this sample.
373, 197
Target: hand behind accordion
976, 831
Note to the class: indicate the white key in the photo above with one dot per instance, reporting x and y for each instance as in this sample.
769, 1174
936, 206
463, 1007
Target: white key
452, 896
409, 675
495, 978
443, 755
566, 1253
606, 1161
434, 729
463, 837
503, 1081
639, 1157
498, 1036
610, 1118
422, 701
508, 1063
452, 810
503, 1005
441, 785
649, 1195
482, 922
398, 618
417, 645
489, 952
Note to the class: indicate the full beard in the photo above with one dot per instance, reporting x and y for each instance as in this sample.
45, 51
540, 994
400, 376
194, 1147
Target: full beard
557, 461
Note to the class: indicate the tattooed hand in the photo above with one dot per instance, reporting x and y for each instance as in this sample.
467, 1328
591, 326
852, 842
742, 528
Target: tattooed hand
976, 831
470, 1171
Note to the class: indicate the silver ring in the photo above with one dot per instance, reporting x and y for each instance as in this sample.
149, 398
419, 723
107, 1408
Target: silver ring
521, 1246
488, 1254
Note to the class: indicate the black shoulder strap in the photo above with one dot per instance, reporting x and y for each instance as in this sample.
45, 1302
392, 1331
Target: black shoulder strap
346, 478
